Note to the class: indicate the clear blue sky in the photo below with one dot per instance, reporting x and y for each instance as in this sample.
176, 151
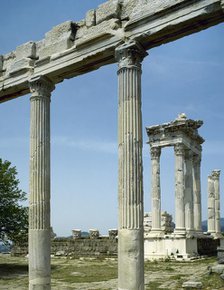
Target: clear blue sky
183, 76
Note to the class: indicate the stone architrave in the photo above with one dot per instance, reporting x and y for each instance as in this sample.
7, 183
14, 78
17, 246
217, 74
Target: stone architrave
211, 206
197, 192
39, 207
179, 189
156, 192
189, 217
215, 177
130, 233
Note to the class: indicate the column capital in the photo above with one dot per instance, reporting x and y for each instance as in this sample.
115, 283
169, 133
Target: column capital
179, 149
41, 86
130, 54
216, 174
155, 152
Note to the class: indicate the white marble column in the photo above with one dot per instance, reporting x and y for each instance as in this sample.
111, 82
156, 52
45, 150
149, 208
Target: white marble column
39, 207
179, 189
215, 177
211, 206
189, 217
197, 192
156, 193
130, 233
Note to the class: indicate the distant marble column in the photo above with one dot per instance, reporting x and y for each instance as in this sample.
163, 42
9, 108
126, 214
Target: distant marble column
211, 205
39, 200
216, 176
197, 192
179, 189
156, 194
130, 234
189, 217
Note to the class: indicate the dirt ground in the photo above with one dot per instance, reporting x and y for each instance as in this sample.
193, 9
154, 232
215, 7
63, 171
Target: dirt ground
101, 274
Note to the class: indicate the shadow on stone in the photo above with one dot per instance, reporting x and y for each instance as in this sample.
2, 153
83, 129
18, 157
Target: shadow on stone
7, 270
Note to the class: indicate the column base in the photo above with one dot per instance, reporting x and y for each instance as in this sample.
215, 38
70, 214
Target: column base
156, 233
130, 259
190, 234
180, 232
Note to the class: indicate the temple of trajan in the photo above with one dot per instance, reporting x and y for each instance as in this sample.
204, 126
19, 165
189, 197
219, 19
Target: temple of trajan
119, 31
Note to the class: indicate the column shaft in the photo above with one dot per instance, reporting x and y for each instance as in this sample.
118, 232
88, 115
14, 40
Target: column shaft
197, 192
189, 218
39, 202
216, 176
211, 205
156, 192
179, 189
130, 235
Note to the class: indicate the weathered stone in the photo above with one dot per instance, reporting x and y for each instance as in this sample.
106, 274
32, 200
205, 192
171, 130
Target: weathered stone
219, 269
102, 31
221, 261
1, 63
94, 234
65, 30
113, 234
60, 38
21, 65
8, 60
192, 285
76, 234
108, 10
134, 8
26, 50
91, 18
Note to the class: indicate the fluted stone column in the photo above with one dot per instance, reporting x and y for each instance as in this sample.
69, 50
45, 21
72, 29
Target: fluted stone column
211, 205
39, 201
156, 193
130, 233
216, 176
189, 217
197, 192
179, 189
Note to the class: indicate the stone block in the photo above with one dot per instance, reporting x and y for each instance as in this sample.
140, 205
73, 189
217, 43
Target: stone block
76, 234
57, 40
108, 10
113, 234
21, 65
65, 30
1, 63
94, 234
91, 18
219, 269
26, 50
104, 30
192, 285
8, 60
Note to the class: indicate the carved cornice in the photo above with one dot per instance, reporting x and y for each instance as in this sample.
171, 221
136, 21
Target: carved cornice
215, 174
179, 149
41, 86
155, 152
130, 54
